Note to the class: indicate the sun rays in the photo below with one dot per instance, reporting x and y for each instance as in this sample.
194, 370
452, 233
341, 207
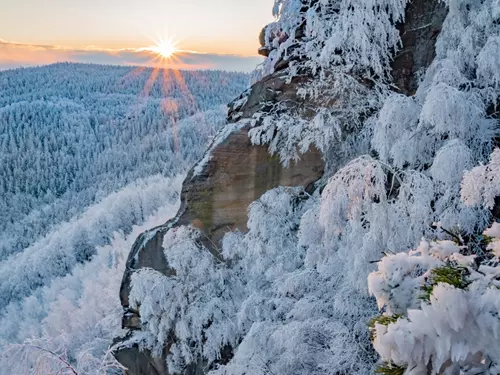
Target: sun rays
165, 48
166, 60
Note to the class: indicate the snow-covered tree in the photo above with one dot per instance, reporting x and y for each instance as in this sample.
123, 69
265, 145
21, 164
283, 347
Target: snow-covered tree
69, 324
90, 156
481, 185
441, 304
396, 166
265, 295
74, 133
192, 311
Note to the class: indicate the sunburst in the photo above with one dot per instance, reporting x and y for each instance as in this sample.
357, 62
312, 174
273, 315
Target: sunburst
166, 58
165, 48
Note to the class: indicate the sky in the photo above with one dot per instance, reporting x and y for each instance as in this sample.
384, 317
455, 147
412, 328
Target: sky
219, 34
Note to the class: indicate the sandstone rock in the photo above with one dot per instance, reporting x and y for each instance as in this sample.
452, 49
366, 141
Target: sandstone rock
215, 198
147, 252
237, 174
215, 201
262, 36
141, 362
131, 319
267, 92
496, 209
264, 51
423, 21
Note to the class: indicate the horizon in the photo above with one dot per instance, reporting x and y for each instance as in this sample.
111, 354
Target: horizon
130, 34
132, 67
183, 60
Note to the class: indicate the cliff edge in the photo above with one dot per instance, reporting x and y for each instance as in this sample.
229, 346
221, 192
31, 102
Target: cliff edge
218, 191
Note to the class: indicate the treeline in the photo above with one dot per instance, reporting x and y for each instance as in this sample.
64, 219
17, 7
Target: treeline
70, 134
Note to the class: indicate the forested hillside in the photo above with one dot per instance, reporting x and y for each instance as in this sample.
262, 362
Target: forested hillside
70, 134
390, 263
382, 258
88, 154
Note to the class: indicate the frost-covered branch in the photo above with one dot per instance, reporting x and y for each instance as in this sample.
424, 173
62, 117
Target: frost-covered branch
446, 305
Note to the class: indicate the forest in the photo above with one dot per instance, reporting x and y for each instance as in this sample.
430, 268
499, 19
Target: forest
391, 265
387, 264
90, 154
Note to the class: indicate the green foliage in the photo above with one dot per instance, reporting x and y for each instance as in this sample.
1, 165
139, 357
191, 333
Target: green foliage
382, 319
390, 369
426, 292
449, 274
486, 240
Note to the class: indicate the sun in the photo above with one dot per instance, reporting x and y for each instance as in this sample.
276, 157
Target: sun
165, 48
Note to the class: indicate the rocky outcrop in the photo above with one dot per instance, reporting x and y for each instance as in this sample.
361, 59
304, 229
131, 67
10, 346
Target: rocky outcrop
275, 88
141, 362
215, 198
496, 209
216, 194
237, 174
423, 22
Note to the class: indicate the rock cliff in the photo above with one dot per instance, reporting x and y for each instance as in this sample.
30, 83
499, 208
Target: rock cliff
216, 193
215, 197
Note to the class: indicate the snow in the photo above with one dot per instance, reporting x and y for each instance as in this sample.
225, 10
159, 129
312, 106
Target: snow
456, 328
75, 316
396, 165
481, 184
72, 134
186, 304
227, 130
90, 157
398, 224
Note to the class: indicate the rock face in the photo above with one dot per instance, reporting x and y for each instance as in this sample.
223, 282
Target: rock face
269, 91
419, 32
496, 209
237, 174
215, 198
143, 362
216, 195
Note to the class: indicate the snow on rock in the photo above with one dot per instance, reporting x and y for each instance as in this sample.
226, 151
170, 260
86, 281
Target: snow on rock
394, 166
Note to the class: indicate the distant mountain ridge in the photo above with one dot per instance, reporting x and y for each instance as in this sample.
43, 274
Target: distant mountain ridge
400, 98
68, 130
89, 155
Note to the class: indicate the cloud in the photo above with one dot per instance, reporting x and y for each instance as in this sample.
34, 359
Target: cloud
14, 55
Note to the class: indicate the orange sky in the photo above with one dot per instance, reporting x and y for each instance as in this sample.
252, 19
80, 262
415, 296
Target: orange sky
215, 26
14, 55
